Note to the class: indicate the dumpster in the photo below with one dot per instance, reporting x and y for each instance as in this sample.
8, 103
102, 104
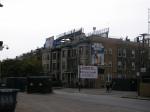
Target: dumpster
39, 84
124, 84
8, 100
17, 83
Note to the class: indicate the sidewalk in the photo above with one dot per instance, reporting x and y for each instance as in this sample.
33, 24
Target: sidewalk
121, 94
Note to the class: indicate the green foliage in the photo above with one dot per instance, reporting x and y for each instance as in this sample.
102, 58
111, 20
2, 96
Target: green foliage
21, 68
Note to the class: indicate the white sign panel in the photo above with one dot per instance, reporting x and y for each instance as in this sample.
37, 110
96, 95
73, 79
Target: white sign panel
88, 72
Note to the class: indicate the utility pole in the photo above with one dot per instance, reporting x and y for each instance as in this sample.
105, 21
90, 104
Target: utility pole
79, 80
139, 65
148, 21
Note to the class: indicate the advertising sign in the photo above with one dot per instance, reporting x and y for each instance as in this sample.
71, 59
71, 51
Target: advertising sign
97, 54
88, 72
49, 42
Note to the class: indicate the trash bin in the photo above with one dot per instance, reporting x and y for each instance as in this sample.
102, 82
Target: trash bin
8, 100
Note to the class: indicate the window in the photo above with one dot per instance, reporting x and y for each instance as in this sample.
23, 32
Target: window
48, 57
54, 56
58, 66
110, 64
63, 65
74, 52
86, 50
80, 50
47, 66
43, 57
133, 66
105, 51
119, 64
124, 52
119, 53
124, 65
119, 76
63, 53
133, 53
58, 55
54, 66
149, 54
69, 53
110, 51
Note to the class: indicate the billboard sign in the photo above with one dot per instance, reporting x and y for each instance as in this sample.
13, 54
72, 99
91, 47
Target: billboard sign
87, 72
49, 42
97, 54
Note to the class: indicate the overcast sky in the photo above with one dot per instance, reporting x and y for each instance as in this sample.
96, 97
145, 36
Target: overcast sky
25, 24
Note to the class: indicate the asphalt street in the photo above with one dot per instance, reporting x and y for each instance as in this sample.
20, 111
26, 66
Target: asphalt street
61, 101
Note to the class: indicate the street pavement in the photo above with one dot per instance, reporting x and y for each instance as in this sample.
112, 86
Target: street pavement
114, 93
97, 92
87, 100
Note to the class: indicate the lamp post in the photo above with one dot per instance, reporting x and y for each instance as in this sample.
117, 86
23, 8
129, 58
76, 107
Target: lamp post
139, 64
138, 83
142, 64
79, 80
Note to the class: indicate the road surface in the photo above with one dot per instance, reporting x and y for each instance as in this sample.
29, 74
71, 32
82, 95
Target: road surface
76, 102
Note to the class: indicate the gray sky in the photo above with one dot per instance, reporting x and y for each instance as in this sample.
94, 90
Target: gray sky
25, 24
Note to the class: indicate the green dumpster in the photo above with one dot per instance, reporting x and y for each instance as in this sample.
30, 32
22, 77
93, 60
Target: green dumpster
39, 84
8, 100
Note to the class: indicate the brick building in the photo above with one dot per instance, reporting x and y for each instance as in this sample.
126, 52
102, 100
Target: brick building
115, 58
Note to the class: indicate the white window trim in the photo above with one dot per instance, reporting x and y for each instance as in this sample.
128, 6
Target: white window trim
110, 51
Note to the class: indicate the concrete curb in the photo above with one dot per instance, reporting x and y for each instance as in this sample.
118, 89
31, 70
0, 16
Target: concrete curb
136, 97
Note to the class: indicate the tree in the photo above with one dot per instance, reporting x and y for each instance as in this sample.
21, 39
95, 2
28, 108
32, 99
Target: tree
21, 68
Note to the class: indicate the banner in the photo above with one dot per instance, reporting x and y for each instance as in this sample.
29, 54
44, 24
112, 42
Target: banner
97, 54
87, 72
